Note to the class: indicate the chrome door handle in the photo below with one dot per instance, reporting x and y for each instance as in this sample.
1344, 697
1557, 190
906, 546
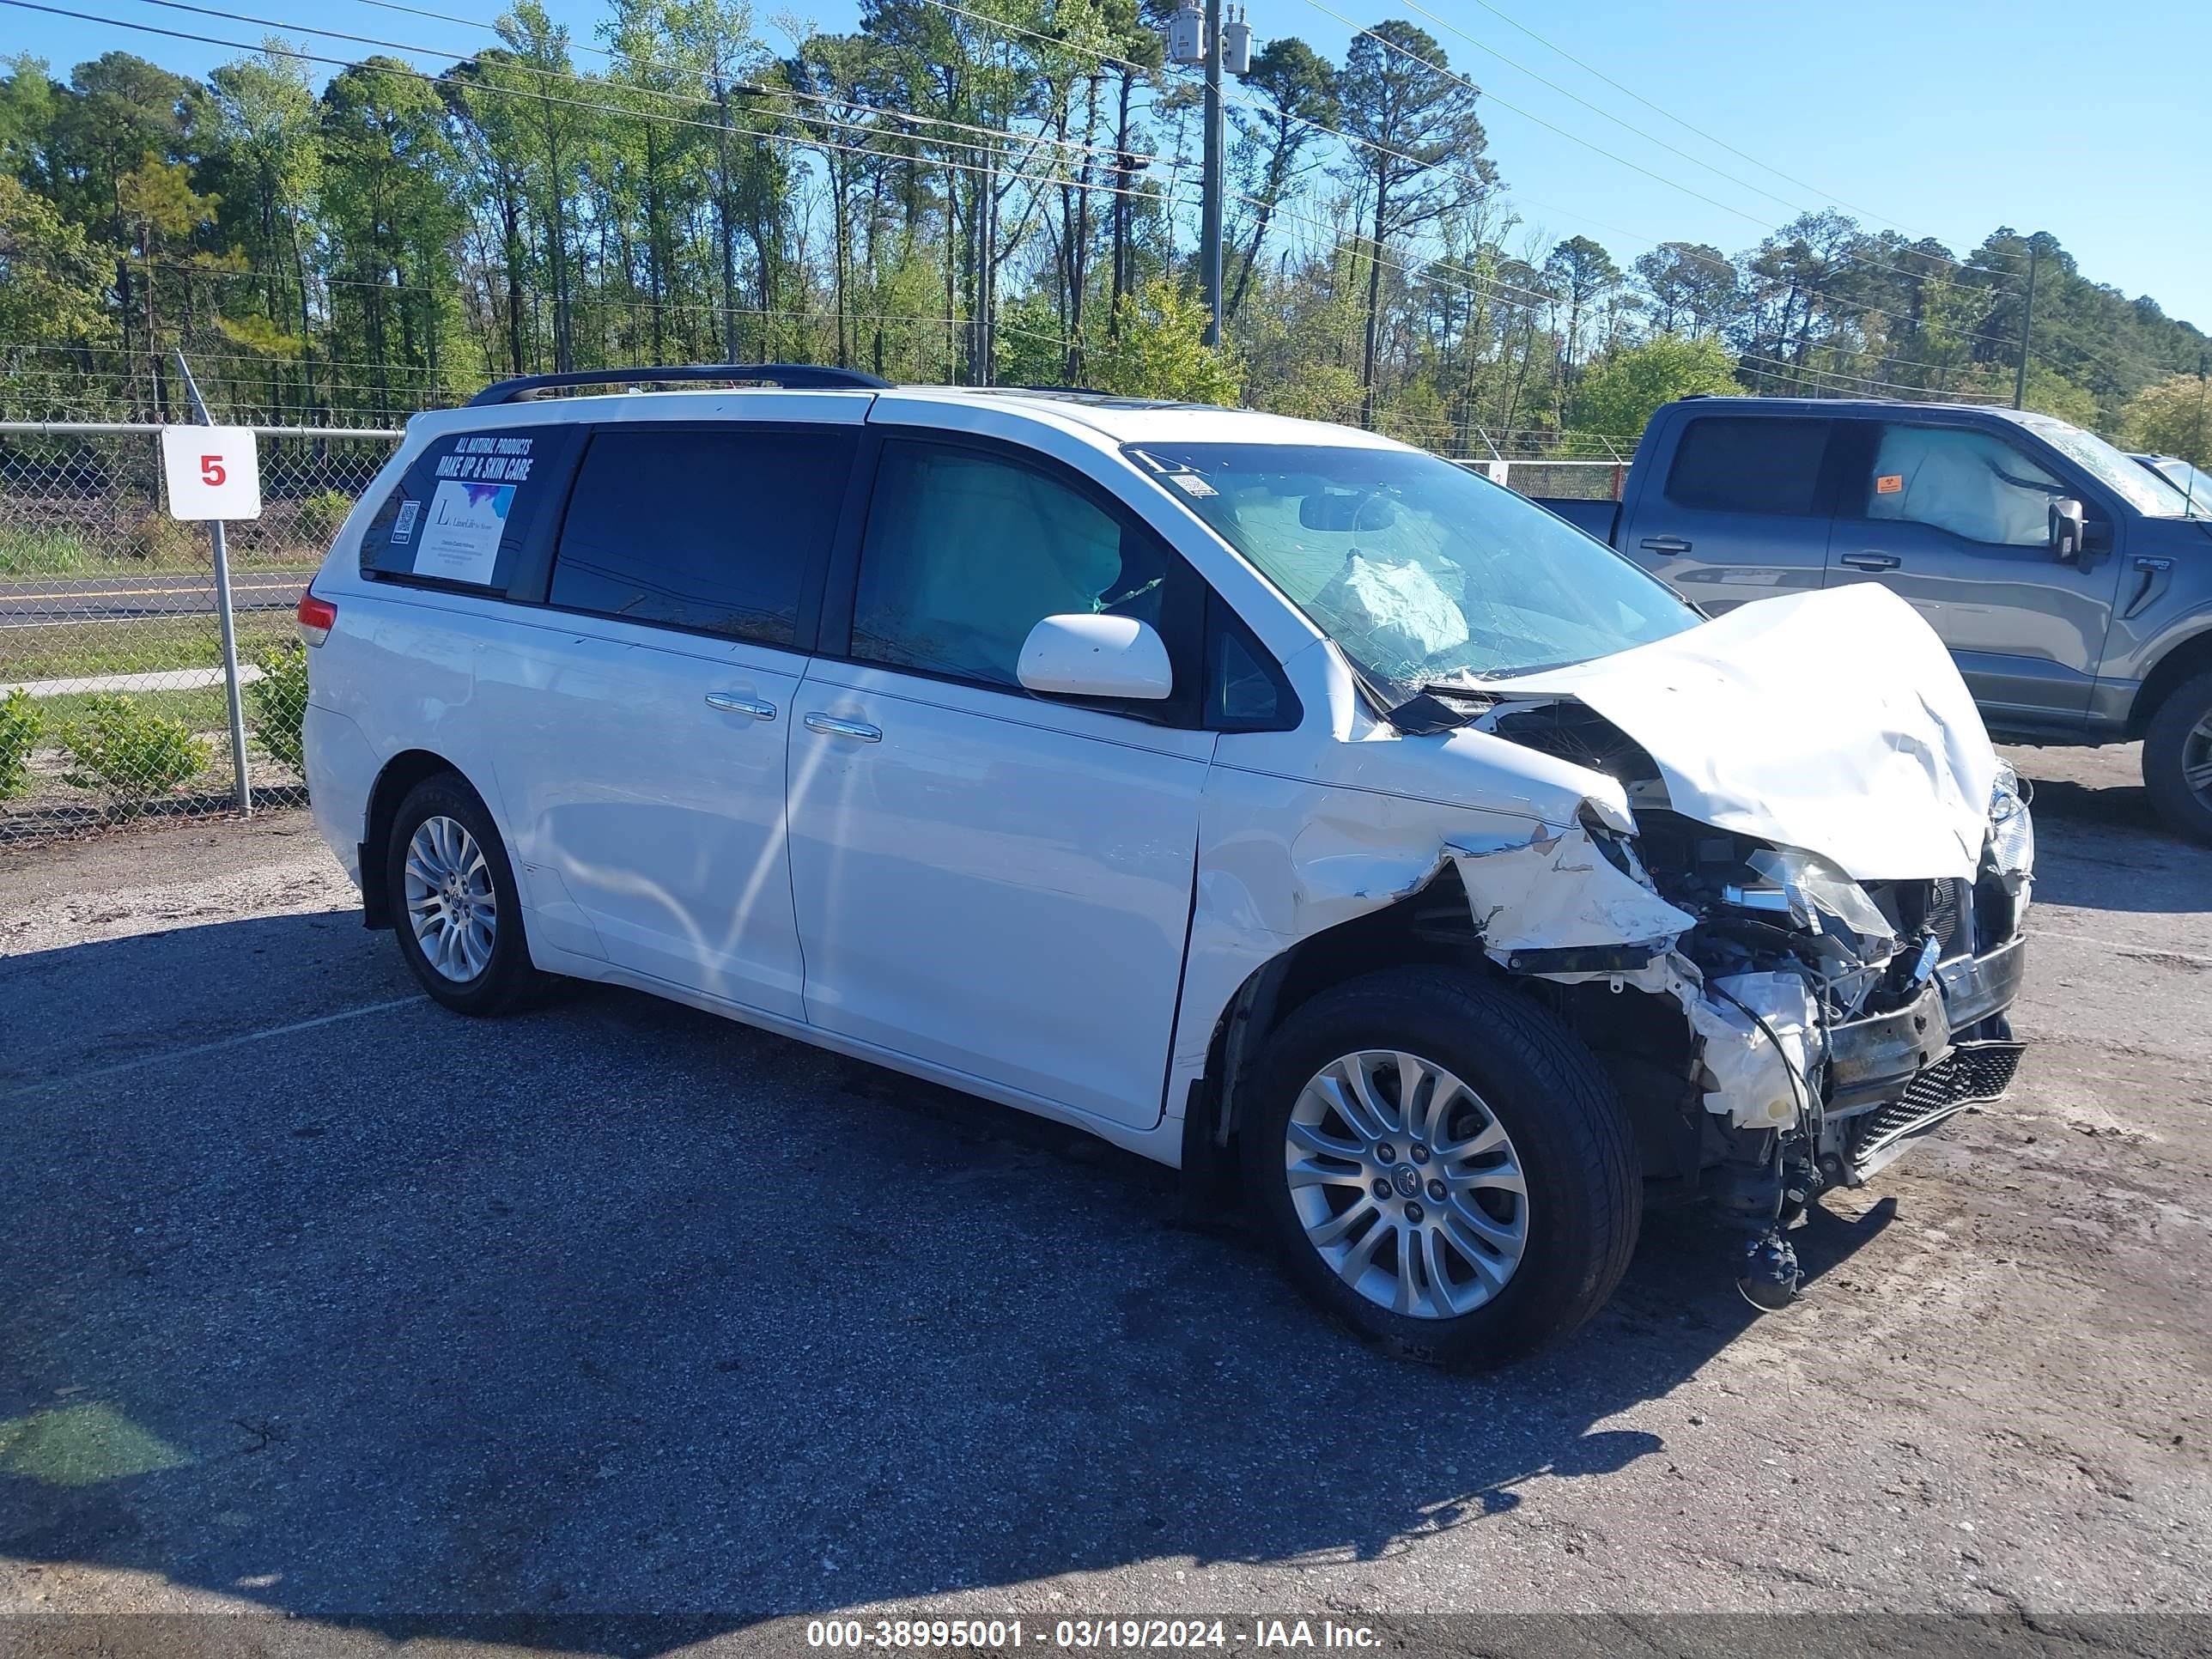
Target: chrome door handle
730, 702
830, 727
1871, 560
1664, 545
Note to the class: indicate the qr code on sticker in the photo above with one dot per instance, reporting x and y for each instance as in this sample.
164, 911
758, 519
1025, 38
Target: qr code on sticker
403, 527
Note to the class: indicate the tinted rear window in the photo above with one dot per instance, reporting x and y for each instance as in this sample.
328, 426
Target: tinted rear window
707, 530
1731, 464
465, 507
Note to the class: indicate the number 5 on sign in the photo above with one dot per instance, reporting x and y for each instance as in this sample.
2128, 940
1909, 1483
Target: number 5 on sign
212, 471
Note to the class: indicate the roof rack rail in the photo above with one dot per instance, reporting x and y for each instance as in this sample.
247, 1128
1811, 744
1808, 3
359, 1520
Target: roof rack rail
796, 377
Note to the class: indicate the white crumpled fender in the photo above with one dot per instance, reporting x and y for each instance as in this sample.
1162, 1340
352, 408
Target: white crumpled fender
1560, 892
1557, 890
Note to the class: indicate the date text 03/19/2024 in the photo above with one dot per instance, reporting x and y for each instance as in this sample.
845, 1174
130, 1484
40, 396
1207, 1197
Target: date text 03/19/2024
1123, 1635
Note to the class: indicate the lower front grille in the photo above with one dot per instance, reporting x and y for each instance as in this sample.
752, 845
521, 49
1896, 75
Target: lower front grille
1971, 1072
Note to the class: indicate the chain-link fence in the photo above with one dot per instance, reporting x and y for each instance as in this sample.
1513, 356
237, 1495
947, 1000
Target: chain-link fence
1580, 481
113, 697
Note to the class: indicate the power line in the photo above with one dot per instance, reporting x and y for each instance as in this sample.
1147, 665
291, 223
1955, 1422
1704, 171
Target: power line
1600, 150
1035, 34
906, 117
1392, 45
1659, 109
1596, 109
1855, 305
1848, 380
603, 109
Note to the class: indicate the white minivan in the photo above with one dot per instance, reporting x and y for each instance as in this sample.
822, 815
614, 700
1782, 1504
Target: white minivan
1270, 799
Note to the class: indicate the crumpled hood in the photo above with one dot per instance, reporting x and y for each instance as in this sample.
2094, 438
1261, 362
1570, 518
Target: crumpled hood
1835, 721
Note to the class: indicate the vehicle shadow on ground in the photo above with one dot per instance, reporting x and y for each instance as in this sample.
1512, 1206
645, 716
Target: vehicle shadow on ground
613, 1307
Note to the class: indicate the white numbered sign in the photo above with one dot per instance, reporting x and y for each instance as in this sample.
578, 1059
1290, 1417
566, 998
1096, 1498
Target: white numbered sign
212, 471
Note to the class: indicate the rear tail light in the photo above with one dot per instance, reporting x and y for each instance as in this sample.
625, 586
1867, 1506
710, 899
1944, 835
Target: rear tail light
317, 617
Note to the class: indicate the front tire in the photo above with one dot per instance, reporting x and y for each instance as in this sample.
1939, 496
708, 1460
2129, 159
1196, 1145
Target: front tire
1443, 1166
454, 904
2176, 758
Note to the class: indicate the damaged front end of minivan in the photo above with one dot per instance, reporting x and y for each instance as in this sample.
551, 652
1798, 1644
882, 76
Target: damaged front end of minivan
1775, 1024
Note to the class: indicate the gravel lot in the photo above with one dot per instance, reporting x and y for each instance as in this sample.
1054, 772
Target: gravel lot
321, 1303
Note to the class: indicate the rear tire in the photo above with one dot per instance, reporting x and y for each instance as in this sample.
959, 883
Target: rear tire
454, 902
2177, 748
1501, 1095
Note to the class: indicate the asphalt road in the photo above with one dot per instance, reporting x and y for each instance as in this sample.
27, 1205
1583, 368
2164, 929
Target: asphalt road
41, 601
362, 1322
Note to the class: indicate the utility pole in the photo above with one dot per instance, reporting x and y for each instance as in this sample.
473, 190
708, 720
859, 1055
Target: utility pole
1209, 232
2026, 324
1219, 43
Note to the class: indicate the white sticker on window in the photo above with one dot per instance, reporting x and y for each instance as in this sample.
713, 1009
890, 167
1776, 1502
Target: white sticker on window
403, 527
1192, 484
461, 536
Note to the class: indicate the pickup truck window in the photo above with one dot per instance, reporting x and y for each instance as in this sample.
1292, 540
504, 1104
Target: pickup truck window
2155, 498
1418, 569
1972, 484
2193, 481
1731, 464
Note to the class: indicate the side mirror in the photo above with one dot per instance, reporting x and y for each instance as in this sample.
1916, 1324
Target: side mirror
1084, 656
2070, 530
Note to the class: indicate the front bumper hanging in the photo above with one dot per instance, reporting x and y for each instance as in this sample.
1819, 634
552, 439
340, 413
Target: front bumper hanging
1895, 1077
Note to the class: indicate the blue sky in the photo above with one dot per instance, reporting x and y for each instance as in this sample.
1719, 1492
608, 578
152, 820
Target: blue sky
1937, 117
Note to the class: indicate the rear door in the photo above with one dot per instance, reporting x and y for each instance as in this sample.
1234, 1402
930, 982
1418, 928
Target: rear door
1955, 519
645, 725
1742, 513
992, 881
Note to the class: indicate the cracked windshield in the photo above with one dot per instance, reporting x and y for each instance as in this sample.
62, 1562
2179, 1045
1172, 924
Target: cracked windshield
1424, 574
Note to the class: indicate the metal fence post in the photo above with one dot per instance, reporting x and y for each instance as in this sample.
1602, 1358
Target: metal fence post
232, 691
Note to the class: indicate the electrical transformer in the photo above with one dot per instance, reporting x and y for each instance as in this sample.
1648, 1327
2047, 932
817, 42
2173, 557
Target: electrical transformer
1186, 35
1236, 44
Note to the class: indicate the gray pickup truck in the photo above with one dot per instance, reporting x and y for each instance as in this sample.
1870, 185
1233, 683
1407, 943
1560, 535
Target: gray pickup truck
2073, 586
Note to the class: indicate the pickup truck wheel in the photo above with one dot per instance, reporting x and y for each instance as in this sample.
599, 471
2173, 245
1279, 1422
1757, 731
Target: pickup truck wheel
1441, 1165
458, 911
2176, 758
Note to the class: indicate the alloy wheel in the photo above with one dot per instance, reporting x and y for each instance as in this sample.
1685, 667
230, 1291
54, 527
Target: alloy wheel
451, 903
1407, 1184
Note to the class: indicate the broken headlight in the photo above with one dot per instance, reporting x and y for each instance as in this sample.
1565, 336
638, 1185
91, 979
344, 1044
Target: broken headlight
2012, 831
1816, 894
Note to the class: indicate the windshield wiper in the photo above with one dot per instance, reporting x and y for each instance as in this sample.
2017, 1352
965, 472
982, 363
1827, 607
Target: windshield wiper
1427, 711
1455, 689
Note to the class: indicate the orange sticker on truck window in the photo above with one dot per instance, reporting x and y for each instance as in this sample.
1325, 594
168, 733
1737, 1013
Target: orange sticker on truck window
1889, 483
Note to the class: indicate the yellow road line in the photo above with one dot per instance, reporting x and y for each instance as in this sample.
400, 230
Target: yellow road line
143, 592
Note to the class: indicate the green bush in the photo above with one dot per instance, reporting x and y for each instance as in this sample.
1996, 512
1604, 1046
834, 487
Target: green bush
40, 550
168, 544
22, 720
321, 514
130, 753
280, 703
